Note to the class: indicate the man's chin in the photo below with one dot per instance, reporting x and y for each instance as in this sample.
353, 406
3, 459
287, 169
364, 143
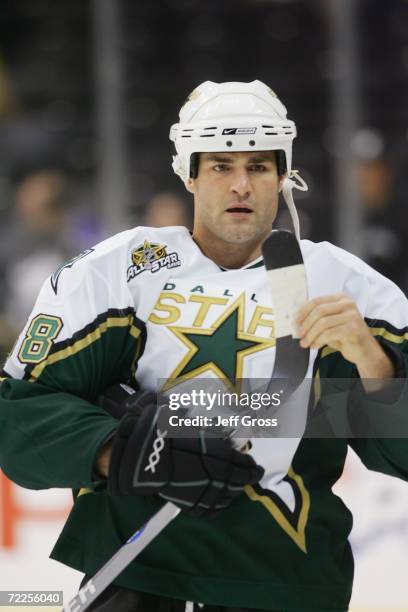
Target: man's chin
240, 235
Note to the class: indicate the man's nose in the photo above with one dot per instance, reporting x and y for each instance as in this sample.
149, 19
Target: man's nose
240, 183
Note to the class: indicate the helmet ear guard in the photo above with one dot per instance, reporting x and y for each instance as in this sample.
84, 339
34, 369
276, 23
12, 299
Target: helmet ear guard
232, 117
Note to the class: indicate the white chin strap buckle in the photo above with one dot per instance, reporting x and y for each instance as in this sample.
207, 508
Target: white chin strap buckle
293, 181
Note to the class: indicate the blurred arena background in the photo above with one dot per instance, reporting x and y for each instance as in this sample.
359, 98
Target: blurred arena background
88, 91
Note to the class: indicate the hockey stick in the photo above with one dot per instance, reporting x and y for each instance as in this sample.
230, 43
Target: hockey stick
287, 279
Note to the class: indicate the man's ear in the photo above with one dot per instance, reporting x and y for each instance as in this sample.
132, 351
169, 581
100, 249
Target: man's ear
190, 185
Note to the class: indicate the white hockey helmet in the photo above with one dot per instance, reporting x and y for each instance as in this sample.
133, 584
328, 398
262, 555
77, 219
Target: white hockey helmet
227, 117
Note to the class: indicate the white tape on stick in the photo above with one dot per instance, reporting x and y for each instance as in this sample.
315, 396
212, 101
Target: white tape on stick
286, 297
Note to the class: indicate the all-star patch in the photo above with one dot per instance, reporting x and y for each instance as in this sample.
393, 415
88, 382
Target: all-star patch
152, 257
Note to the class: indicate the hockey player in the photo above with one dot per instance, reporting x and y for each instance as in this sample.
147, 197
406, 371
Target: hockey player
259, 530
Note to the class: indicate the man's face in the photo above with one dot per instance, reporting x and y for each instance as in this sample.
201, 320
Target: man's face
235, 196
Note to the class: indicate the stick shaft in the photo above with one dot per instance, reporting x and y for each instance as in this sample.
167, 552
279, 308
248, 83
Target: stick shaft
121, 559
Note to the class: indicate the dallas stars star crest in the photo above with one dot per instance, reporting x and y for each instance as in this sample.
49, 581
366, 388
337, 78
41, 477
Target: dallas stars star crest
220, 349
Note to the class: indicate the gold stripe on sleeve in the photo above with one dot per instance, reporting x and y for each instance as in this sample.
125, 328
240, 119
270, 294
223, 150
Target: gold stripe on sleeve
83, 343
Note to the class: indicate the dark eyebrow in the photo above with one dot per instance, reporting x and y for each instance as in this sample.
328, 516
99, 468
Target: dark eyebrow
260, 159
219, 158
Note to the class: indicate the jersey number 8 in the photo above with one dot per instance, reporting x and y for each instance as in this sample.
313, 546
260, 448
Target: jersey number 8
38, 340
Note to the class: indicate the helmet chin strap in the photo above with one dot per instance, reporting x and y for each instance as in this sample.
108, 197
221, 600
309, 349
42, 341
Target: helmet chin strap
293, 181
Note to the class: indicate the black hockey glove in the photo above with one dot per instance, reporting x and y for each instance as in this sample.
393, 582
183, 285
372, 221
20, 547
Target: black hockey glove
200, 474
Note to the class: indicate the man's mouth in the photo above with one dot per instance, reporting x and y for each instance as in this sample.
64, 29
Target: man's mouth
240, 210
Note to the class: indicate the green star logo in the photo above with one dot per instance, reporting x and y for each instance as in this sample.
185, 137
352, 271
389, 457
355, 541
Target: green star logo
220, 349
